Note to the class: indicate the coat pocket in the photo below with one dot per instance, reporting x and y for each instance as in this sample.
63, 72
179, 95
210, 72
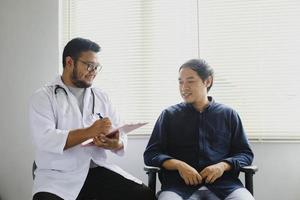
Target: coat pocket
64, 165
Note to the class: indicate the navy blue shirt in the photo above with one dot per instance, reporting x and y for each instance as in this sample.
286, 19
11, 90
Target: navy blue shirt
200, 139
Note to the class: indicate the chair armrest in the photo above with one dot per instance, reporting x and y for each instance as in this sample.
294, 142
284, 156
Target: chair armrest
151, 172
249, 169
151, 169
249, 172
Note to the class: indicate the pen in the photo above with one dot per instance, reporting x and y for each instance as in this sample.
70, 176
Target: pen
100, 117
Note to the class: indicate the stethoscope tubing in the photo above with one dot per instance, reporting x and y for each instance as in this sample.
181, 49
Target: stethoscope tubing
57, 87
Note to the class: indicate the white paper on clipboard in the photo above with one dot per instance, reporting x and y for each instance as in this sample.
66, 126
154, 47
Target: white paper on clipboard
126, 128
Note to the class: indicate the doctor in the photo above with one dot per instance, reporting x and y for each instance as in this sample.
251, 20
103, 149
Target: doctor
66, 113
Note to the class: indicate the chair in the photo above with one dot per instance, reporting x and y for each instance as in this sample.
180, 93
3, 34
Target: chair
248, 170
33, 169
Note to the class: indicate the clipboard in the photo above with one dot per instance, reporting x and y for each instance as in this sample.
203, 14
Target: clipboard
126, 128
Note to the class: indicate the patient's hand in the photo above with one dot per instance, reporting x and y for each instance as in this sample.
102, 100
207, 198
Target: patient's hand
213, 172
189, 174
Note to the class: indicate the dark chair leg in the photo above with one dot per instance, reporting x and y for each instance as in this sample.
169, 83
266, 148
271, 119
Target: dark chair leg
249, 172
249, 182
33, 169
152, 181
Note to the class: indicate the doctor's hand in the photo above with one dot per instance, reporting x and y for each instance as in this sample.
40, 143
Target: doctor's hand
111, 142
99, 127
213, 172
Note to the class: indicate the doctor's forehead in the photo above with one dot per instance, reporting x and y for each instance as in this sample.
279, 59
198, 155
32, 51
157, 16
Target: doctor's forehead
89, 55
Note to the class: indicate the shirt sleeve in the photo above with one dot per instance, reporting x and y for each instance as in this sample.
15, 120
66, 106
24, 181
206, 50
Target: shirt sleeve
42, 123
240, 153
154, 154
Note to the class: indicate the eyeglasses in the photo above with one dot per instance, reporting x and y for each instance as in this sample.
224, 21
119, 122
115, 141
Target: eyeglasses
92, 66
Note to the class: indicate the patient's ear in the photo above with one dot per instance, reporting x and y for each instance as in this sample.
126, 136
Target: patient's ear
208, 81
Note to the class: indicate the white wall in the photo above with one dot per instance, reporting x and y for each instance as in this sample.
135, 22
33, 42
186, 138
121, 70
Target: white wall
29, 59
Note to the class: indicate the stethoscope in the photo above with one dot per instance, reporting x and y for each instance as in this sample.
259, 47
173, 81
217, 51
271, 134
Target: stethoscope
57, 87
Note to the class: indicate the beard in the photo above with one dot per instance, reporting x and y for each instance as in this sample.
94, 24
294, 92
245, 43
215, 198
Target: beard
76, 81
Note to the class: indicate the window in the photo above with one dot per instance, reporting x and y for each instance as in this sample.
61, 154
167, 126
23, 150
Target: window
252, 45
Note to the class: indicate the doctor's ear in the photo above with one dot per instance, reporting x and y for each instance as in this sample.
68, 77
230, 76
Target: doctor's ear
69, 61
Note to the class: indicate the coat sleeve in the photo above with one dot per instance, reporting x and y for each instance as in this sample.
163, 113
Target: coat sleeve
42, 122
155, 153
240, 153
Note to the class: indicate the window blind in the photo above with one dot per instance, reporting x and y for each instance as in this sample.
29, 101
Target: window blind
143, 43
254, 48
252, 45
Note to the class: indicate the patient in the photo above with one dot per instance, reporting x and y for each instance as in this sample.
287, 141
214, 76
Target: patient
200, 144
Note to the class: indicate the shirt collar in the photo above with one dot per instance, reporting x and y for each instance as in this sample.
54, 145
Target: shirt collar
209, 107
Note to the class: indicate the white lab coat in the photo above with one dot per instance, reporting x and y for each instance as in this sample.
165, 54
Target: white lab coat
52, 116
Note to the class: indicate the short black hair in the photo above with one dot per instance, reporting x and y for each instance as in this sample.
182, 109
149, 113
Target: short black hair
78, 45
203, 69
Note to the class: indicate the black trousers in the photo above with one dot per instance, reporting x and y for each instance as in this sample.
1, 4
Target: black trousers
104, 184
